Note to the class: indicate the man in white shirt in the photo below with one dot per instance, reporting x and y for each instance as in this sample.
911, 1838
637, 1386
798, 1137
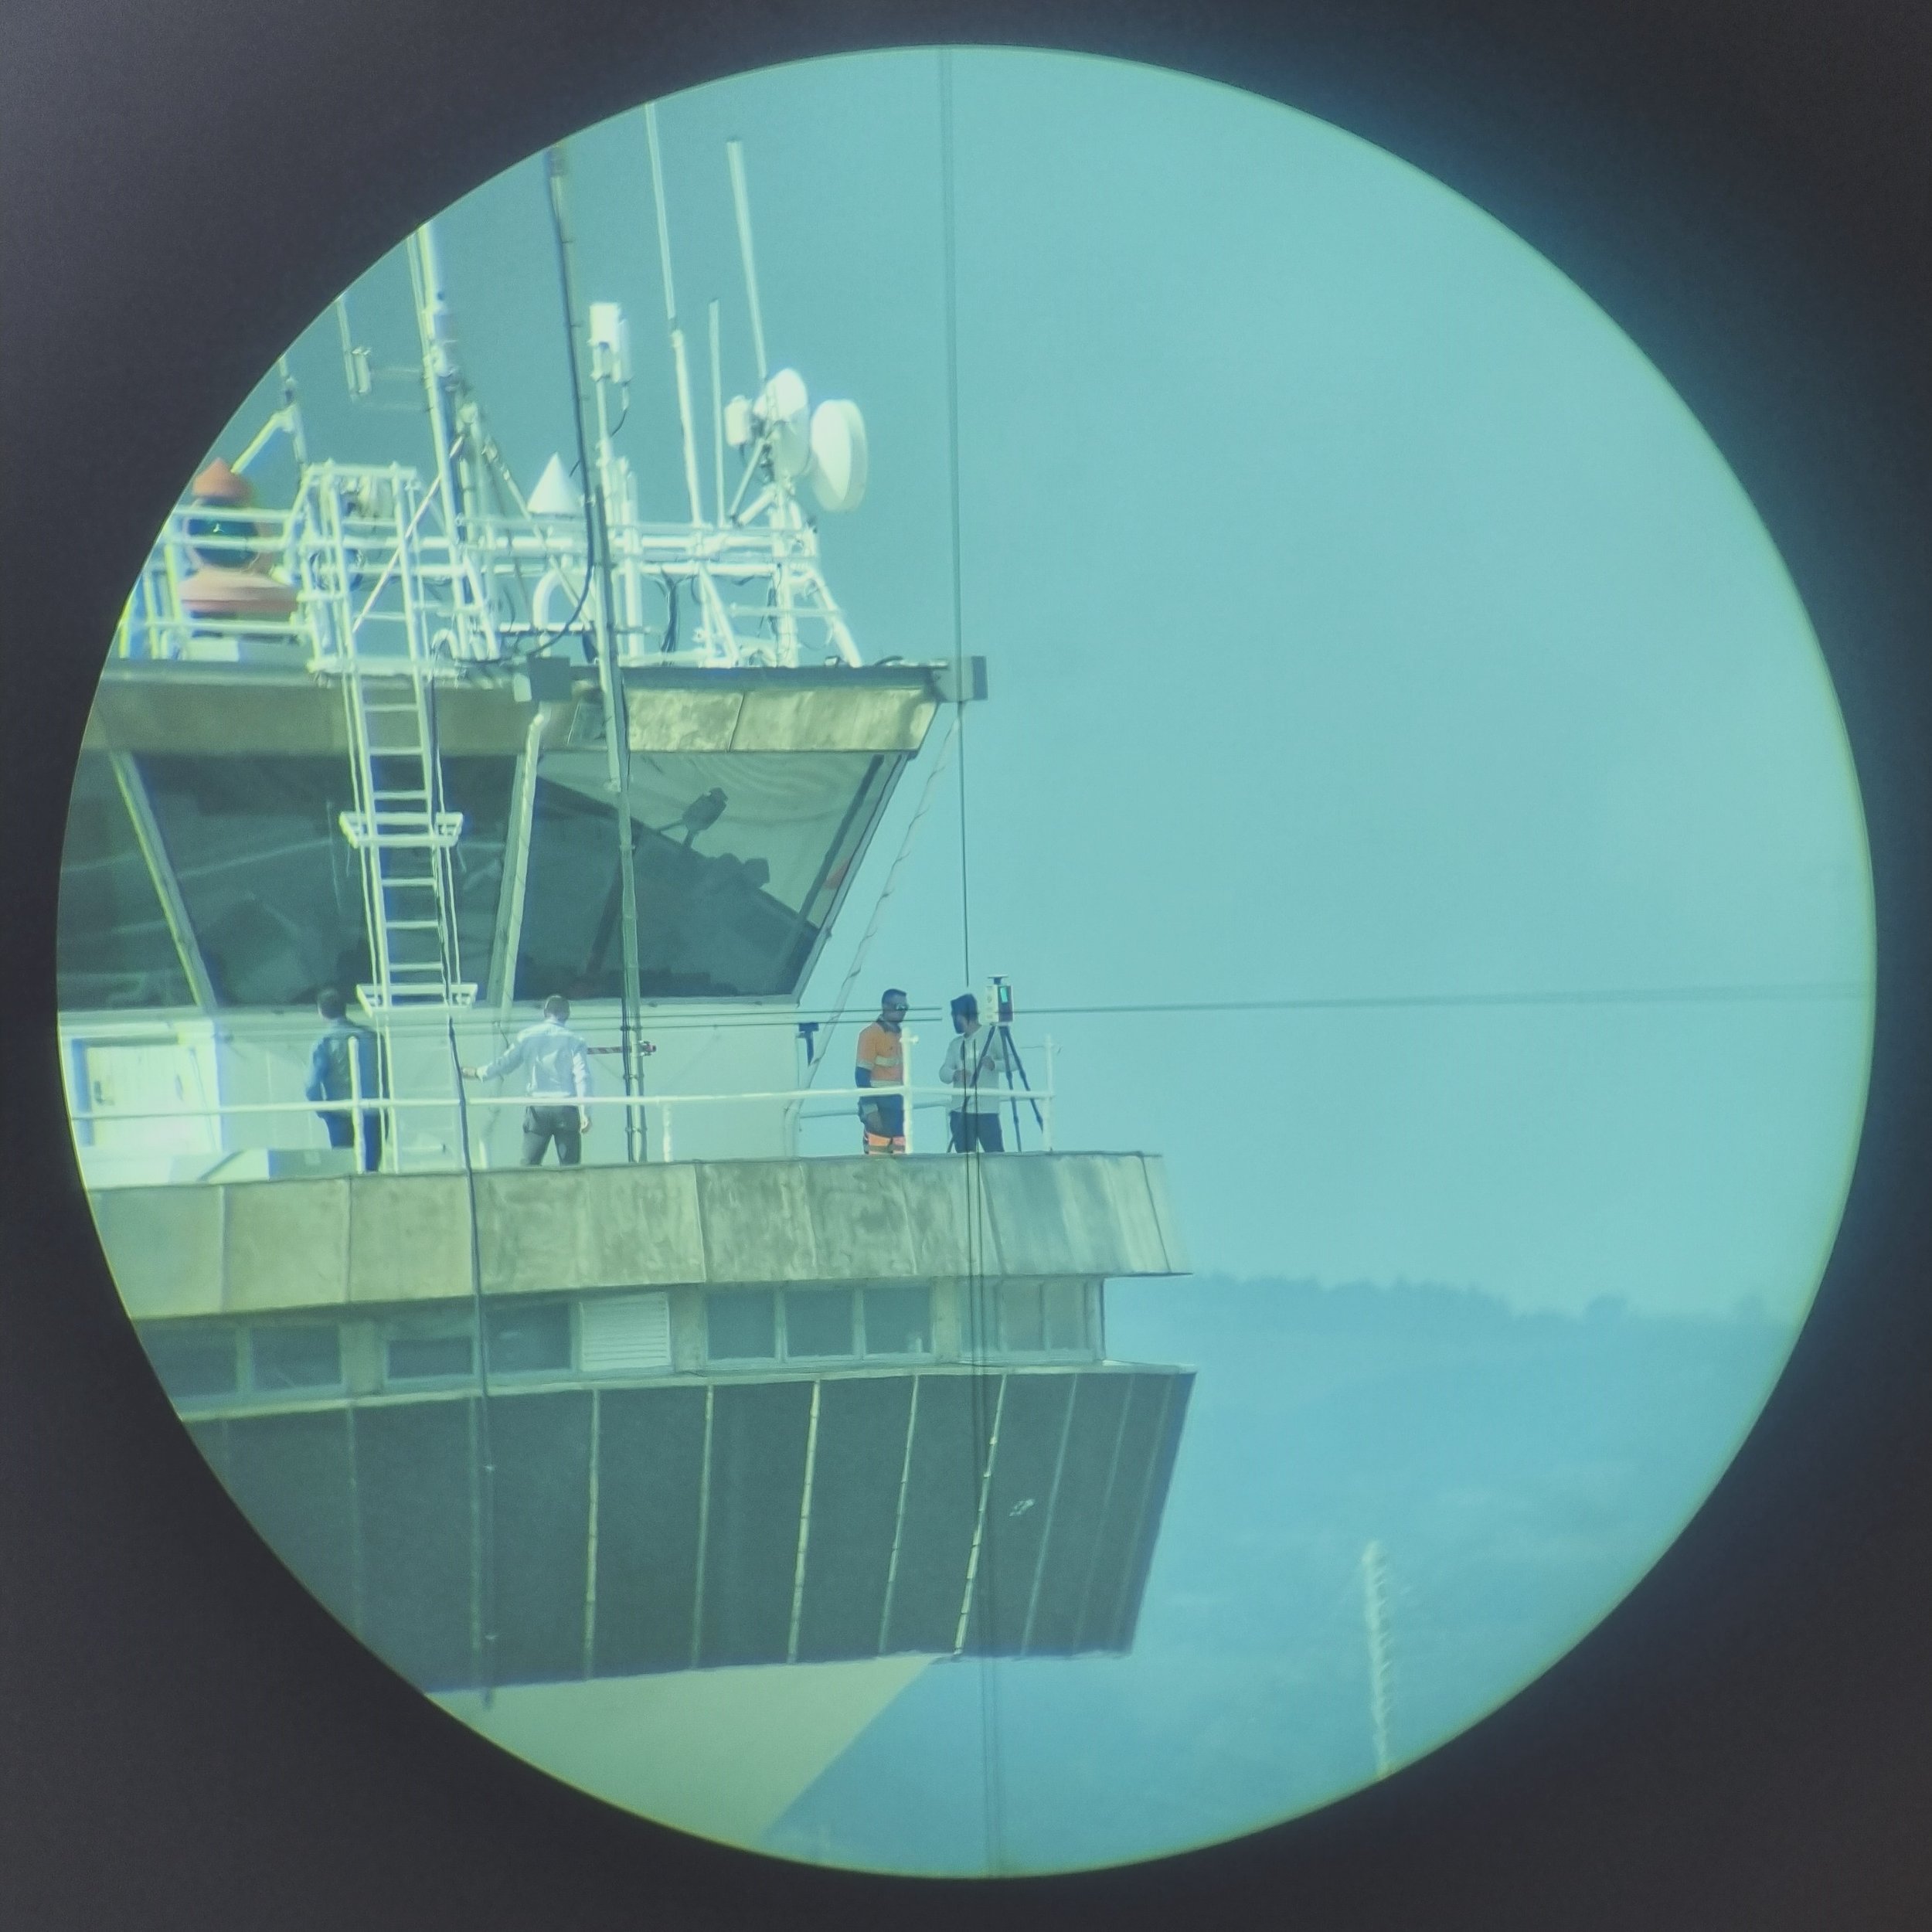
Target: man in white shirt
559, 1083
978, 1056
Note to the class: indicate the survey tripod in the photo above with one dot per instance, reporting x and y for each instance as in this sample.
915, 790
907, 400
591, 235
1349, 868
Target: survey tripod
1001, 1030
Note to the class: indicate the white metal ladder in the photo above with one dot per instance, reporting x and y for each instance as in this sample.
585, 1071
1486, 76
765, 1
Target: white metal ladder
400, 824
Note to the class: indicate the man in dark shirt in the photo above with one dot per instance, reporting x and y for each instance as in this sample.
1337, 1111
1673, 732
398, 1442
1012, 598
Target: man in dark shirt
344, 1066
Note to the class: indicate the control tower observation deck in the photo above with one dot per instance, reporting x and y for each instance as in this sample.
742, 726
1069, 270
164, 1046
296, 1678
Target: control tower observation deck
722, 1395
744, 1402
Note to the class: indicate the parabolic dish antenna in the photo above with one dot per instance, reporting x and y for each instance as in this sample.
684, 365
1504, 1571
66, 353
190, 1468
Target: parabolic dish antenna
838, 458
785, 410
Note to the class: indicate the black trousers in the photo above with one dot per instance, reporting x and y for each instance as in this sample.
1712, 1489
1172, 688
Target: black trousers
341, 1133
542, 1125
979, 1131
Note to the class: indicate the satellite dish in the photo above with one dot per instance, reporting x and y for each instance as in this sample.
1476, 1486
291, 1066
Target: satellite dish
554, 494
785, 410
838, 456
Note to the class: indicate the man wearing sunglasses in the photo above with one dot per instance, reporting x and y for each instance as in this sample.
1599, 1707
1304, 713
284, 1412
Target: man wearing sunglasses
882, 1064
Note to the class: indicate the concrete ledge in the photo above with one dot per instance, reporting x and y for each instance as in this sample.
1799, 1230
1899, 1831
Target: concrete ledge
541, 1229
164, 1246
221, 1248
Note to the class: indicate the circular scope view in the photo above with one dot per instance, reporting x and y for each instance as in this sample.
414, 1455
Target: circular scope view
967, 962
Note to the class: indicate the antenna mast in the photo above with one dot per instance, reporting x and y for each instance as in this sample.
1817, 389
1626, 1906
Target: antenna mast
617, 732
741, 201
437, 335
671, 315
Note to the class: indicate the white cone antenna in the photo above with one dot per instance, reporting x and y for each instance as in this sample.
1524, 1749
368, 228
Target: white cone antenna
741, 201
839, 456
554, 494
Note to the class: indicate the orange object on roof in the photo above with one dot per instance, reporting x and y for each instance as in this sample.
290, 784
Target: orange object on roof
218, 593
222, 483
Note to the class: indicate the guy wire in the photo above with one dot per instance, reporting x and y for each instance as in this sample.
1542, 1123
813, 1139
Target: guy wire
981, 1584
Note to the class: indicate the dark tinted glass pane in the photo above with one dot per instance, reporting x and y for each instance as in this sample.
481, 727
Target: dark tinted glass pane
115, 949
740, 859
192, 1361
1020, 1324
1065, 1314
272, 887
741, 1327
299, 1357
525, 1337
898, 1321
818, 1322
418, 1358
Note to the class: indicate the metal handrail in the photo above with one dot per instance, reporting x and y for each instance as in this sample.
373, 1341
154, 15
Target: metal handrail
335, 547
831, 1103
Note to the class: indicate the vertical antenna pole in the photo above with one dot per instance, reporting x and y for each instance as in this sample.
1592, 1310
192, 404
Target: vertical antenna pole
741, 201
436, 335
1375, 1616
670, 315
617, 732
717, 412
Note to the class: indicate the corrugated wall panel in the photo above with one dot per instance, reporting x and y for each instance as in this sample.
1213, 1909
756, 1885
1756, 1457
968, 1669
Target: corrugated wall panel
1180, 1386
416, 1462
1018, 1502
854, 1500
290, 1474
1116, 1552
1074, 1559
758, 1434
540, 1551
650, 1455
942, 1500
1099, 1410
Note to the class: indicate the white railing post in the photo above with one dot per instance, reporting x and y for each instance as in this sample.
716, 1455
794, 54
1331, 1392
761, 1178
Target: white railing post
906, 1043
1052, 1086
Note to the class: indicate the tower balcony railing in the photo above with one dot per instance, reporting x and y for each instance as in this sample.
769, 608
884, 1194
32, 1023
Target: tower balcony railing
657, 1115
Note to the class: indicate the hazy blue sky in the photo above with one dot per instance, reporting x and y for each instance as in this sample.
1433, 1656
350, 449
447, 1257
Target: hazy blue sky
1365, 616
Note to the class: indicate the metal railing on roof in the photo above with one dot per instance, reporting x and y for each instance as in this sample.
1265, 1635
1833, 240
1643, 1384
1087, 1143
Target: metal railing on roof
311, 583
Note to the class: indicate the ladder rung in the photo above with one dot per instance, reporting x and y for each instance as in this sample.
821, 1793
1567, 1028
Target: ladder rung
412, 925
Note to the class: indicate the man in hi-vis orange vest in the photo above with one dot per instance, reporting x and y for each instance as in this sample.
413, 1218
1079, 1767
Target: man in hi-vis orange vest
882, 1062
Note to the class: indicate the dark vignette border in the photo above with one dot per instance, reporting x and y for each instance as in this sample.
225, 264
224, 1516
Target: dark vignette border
186, 1738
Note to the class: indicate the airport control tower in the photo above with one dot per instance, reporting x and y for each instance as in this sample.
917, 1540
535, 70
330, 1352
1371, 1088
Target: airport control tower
710, 1400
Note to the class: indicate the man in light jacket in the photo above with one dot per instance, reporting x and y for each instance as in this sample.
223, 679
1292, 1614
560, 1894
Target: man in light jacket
978, 1057
558, 1083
